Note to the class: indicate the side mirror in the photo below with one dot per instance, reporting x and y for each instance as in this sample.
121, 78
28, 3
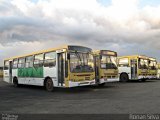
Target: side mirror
68, 56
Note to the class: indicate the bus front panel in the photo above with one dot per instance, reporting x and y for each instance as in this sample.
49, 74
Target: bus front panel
81, 69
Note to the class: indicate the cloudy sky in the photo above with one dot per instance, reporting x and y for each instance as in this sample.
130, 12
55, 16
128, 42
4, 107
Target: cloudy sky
125, 26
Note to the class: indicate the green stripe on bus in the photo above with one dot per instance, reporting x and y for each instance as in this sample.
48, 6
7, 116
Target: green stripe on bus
30, 72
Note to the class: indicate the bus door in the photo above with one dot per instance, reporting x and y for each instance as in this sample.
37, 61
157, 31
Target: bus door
133, 68
96, 68
61, 68
10, 71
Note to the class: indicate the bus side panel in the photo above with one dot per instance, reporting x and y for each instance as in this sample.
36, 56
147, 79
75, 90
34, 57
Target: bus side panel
51, 72
6, 76
125, 70
35, 81
35, 76
30, 76
21, 81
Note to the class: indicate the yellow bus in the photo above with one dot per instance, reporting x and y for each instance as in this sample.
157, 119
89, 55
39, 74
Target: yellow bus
67, 66
1, 72
106, 69
152, 73
158, 71
134, 67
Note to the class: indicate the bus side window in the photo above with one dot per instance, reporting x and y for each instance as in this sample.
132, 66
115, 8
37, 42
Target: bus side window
21, 62
15, 62
29, 61
50, 59
123, 62
6, 65
38, 60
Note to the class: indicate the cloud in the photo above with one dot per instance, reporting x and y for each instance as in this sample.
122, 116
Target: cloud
121, 26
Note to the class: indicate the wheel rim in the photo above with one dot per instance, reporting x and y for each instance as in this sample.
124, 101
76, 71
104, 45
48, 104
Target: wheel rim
15, 82
49, 85
124, 78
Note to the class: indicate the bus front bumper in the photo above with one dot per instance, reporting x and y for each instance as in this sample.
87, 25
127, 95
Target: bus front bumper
81, 83
112, 79
102, 80
152, 77
108, 80
142, 77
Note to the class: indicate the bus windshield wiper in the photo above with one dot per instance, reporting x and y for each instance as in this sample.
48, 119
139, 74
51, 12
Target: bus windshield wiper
83, 60
78, 56
114, 66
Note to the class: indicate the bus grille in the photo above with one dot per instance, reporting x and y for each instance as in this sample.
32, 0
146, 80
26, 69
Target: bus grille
87, 78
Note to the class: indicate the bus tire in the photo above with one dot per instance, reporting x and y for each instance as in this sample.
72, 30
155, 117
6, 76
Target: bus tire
49, 84
124, 77
15, 82
143, 80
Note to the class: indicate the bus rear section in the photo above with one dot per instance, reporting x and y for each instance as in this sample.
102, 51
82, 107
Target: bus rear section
70, 66
133, 67
106, 69
152, 72
7, 71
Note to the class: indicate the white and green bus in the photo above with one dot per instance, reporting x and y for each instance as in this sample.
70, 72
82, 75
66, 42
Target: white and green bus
67, 66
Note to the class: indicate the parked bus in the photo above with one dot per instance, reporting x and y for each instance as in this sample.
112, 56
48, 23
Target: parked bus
68, 66
106, 69
1, 72
152, 73
134, 67
158, 71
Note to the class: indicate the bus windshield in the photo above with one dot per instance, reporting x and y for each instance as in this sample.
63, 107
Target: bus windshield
81, 62
158, 66
143, 63
152, 65
109, 62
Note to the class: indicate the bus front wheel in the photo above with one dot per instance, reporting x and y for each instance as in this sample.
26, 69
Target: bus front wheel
49, 84
124, 77
143, 80
15, 82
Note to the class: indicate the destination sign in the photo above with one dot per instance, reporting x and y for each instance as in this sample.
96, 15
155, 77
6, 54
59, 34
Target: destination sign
104, 52
79, 48
143, 57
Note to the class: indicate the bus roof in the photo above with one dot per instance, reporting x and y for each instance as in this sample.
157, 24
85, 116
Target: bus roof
44, 51
152, 59
102, 50
109, 52
135, 56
